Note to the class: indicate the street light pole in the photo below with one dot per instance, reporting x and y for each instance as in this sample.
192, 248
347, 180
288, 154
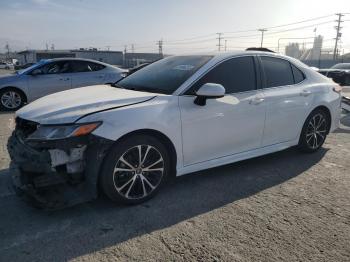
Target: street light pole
262, 30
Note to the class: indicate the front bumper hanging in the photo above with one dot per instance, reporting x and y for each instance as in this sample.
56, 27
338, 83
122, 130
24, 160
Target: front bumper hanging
56, 174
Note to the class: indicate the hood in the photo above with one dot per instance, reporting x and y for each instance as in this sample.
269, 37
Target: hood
68, 106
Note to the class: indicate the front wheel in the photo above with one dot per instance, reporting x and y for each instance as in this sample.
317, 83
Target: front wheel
314, 131
135, 169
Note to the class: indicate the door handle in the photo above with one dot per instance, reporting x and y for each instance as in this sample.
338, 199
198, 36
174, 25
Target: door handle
305, 93
256, 100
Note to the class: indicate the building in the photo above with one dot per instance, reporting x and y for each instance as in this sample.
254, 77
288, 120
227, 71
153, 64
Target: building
33, 56
316, 50
109, 57
135, 59
292, 50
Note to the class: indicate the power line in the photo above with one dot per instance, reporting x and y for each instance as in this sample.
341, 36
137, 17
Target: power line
252, 30
299, 22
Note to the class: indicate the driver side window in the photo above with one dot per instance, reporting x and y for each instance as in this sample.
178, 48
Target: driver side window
235, 75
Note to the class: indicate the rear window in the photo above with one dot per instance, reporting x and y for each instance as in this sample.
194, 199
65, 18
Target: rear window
86, 66
278, 72
298, 75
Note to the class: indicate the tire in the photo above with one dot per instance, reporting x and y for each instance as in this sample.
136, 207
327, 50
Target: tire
11, 99
124, 180
314, 132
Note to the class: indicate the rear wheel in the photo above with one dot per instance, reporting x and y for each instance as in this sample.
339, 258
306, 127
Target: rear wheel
135, 169
11, 99
314, 131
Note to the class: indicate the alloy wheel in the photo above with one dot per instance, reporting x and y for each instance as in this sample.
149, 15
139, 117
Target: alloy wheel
316, 131
138, 172
11, 99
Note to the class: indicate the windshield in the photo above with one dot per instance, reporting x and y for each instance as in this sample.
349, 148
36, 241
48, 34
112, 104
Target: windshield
23, 71
341, 66
165, 75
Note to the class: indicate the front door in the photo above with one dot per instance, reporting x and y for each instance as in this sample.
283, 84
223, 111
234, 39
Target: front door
227, 125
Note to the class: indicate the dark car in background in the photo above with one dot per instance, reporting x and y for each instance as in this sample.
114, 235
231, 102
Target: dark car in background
340, 73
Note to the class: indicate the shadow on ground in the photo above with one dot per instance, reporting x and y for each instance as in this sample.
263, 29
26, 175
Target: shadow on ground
91, 227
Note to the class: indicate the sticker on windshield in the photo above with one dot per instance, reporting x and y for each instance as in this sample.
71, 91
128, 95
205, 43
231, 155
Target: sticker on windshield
184, 67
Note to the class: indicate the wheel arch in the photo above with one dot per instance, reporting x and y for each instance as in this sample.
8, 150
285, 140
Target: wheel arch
162, 138
17, 89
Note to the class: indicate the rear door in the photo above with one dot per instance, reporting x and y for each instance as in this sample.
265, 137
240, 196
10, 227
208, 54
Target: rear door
287, 100
52, 77
87, 73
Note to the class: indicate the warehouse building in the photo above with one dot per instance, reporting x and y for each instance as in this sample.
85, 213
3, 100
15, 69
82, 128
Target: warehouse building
135, 59
33, 56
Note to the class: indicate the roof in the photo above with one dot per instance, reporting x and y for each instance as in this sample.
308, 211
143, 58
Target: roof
67, 51
76, 59
235, 53
45, 51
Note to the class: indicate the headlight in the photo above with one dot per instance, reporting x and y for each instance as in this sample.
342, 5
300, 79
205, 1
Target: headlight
51, 132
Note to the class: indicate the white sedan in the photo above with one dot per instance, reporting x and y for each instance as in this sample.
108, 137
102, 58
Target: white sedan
53, 75
176, 116
5, 65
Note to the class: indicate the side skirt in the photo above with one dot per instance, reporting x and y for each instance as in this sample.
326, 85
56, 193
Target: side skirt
236, 157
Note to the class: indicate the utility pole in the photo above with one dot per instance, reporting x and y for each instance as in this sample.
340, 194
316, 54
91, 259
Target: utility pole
7, 47
219, 39
338, 35
125, 49
225, 45
160, 47
262, 30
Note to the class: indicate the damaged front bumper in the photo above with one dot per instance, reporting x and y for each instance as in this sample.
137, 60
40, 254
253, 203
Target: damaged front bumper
56, 174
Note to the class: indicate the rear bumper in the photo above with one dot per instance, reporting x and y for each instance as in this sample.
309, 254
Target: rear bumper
54, 176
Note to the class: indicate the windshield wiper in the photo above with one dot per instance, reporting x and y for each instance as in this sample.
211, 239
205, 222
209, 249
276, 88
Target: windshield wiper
149, 90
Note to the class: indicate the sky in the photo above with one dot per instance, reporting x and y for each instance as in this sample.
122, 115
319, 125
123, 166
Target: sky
183, 25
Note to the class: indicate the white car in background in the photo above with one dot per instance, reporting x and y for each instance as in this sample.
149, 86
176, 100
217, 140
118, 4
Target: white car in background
51, 76
6, 65
178, 115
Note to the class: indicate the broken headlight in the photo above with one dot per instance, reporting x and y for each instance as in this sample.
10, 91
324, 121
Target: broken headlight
53, 132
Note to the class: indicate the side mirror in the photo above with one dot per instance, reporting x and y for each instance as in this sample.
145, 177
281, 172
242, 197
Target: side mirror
209, 91
36, 72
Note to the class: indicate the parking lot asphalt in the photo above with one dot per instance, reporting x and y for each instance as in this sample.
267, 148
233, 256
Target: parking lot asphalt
285, 206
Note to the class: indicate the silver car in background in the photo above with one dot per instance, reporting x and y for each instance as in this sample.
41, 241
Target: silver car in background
51, 76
